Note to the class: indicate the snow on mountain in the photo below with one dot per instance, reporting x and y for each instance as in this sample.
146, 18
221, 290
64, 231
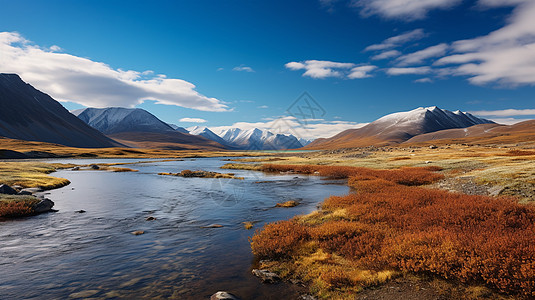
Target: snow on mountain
249, 139
178, 128
304, 142
401, 126
207, 133
118, 119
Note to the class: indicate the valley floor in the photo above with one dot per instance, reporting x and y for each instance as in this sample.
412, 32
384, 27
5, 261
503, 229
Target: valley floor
398, 237
487, 172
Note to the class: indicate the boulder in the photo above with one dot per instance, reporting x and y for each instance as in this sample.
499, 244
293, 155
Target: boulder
44, 205
32, 190
94, 167
221, 295
6, 189
24, 193
266, 276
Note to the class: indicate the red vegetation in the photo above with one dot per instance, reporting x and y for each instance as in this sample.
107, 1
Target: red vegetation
15, 208
391, 223
406, 176
279, 239
520, 153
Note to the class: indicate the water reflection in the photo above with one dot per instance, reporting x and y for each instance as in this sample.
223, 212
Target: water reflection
93, 254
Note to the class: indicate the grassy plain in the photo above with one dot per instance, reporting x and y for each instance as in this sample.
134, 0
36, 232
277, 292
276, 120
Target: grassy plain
396, 224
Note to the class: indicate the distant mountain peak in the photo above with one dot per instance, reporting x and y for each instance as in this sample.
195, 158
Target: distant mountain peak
119, 119
249, 139
401, 126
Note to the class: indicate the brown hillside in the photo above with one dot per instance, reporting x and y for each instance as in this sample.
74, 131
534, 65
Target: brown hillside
167, 140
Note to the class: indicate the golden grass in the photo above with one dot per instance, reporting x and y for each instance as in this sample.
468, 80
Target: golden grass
64, 151
235, 166
32, 174
290, 203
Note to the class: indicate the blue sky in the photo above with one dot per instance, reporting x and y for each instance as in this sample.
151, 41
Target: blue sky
246, 62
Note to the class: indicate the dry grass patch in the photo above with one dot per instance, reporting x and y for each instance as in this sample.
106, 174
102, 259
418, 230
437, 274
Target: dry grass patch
290, 203
32, 174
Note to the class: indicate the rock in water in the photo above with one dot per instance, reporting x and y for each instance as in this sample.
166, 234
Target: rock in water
43, 206
266, 276
6, 189
32, 190
223, 296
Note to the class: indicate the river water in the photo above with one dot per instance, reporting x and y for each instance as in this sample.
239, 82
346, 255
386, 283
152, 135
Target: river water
67, 254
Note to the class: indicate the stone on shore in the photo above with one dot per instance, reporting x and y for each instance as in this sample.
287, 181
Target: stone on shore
221, 295
266, 276
6, 189
32, 190
45, 205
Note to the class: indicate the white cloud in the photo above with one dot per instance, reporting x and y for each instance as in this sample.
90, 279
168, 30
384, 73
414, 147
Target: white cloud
505, 112
292, 125
243, 69
94, 84
320, 68
263, 106
361, 72
398, 40
424, 80
406, 10
323, 69
408, 71
192, 120
386, 55
505, 56
419, 57
55, 48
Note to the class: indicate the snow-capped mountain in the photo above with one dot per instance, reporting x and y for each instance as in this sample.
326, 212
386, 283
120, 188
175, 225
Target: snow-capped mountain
250, 139
178, 128
139, 128
399, 127
207, 133
118, 119
304, 142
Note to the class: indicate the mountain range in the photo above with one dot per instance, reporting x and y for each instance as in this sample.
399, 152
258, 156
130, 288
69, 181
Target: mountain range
250, 139
400, 127
29, 114
136, 127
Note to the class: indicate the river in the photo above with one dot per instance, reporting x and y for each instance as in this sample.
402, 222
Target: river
67, 254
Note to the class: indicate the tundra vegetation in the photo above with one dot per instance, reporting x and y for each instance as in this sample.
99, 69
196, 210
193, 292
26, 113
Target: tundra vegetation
390, 224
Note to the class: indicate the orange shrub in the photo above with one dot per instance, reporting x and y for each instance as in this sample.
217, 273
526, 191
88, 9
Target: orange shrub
278, 239
15, 209
391, 223
406, 176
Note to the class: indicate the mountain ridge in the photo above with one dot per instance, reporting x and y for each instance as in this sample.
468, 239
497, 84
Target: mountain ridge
29, 114
139, 128
399, 127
